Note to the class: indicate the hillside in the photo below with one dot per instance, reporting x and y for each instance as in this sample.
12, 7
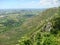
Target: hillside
36, 22
22, 27
10, 22
43, 29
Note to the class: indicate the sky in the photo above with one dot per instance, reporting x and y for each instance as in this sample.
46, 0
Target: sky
21, 4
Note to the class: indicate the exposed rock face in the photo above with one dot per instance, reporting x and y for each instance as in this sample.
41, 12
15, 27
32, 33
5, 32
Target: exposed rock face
47, 27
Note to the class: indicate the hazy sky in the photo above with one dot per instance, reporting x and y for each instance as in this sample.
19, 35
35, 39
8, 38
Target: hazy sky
14, 4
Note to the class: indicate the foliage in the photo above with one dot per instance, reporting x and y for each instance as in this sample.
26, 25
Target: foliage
46, 37
30, 27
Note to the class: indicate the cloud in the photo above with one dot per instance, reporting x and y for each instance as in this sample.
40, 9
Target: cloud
49, 3
29, 3
33, 1
44, 3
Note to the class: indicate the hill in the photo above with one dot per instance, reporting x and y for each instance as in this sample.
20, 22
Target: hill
43, 29
20, 28
10, 22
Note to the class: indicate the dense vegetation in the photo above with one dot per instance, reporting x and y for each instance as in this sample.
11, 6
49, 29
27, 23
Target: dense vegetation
47, 32
30, 27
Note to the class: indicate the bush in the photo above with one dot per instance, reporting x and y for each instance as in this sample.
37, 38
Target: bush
55, 25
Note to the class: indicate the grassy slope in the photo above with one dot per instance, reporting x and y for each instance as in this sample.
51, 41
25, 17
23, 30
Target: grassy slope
10, 27
30, 27
36, 22
34, 27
